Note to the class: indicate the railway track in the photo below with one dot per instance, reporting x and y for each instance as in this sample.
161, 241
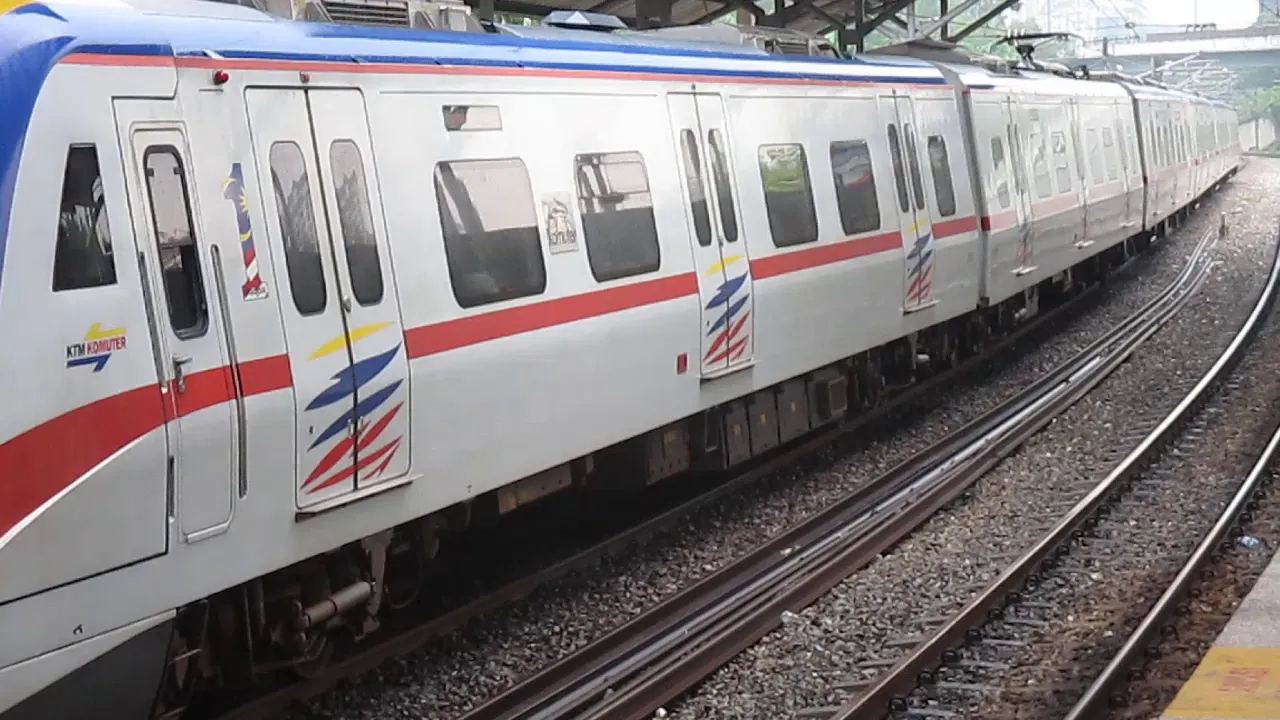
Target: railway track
941, 646
410, 636
640, 666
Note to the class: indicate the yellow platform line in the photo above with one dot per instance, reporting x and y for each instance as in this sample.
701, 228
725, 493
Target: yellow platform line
1231, 682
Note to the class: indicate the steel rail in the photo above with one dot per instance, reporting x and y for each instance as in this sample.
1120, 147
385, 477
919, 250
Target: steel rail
901, 678
694, 625
1095, 696
366, 658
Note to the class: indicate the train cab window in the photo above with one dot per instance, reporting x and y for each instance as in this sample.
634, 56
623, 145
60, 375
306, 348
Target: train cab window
913, 164
1040, 166
176, 241
855, 184
618, 226
940, 165
899, 174
724, 193
490, 226
1095, 156
999, 173
1109, 153
1061, 166
298, 228
691, 159
788, 195
359, 240
83, 257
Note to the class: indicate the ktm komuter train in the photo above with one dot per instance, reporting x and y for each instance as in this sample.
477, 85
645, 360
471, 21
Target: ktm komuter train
286, 300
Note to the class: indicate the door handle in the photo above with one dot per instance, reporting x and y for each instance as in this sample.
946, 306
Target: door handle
179, 376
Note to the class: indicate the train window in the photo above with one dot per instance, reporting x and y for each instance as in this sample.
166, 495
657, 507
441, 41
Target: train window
298, 228
724, 194
943, 189
998, 172
356, 220
1122, 146
83, 257
490, 226
1095, 156
913, 164
692, 161
470, 118
618, 226
899, 175
1109, 153
1061, 166
788, 195
175, 240
855, 184
1040, 166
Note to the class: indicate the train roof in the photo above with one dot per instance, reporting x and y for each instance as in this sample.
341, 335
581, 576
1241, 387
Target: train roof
179, 28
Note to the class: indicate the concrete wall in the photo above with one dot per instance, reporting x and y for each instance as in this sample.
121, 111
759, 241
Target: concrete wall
1257, 134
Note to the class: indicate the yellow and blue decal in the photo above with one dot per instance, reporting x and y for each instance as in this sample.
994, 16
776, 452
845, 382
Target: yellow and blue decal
920, 265
331, 469
98, 346
728, 334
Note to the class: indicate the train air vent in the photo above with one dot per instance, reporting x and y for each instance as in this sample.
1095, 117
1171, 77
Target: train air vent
387, 13
583, 20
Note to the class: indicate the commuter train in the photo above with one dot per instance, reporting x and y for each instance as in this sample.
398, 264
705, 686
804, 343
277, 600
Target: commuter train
316, 294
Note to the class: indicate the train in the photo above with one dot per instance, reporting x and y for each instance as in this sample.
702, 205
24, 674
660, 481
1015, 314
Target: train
292, 338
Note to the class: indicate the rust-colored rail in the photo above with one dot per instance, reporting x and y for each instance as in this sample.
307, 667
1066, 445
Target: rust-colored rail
901, 678
273, 702
643, 664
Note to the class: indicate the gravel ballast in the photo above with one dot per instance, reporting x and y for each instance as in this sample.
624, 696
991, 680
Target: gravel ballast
792, 668
852, 632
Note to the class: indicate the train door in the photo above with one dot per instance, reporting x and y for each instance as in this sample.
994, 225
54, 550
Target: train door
1120, 128
1022, 190
916, 230
342, 319
720, 254
189, 342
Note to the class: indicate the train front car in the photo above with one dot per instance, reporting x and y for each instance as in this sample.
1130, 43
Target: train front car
84, 499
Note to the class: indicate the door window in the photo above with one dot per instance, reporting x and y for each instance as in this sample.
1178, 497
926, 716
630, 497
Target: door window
176, 241
356, 219
298, 228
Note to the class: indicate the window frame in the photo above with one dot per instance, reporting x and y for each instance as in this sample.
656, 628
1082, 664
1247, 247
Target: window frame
199, 286
949, 176
100, 216
874, 192
808, 188
540, 242
367, 201
582, 218
286, 231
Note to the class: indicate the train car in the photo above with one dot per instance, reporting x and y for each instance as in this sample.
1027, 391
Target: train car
1062, 181
318, 294
1188, 144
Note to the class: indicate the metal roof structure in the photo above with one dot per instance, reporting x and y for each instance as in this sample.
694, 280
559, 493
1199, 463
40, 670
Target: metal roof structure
858, 17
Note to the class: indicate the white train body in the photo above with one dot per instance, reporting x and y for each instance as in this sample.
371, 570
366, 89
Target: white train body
295, 296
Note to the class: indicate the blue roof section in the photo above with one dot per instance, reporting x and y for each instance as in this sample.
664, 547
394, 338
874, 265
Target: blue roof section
190, 27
